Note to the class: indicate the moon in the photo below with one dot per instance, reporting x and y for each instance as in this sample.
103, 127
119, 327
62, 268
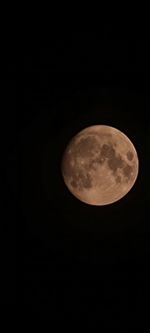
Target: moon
100, 165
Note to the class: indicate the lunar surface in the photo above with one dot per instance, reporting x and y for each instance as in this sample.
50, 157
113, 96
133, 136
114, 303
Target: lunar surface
100, 165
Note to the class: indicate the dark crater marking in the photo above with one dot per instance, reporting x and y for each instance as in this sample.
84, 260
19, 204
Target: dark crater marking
81, 181
118, 179
107, 151
127, 171
114, 161
130, 155
86, 147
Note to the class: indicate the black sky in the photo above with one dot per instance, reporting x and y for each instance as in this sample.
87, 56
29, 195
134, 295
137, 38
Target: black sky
78, 260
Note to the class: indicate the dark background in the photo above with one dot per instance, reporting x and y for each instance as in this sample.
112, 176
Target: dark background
81, 261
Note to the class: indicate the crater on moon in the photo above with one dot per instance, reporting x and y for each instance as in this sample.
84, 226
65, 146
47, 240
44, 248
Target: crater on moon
79, 162
95, 165
114, 160
86, 147
118, 179
127, 170
107, 151
130, 155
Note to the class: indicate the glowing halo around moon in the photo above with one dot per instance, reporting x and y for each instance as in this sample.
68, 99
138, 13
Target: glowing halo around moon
100, 165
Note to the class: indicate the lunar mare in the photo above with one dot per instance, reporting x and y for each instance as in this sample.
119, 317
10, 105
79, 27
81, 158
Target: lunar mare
100, 165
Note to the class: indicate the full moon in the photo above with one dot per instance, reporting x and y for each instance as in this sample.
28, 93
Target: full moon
100, 165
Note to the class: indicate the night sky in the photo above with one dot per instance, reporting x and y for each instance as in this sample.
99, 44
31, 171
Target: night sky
81, 261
